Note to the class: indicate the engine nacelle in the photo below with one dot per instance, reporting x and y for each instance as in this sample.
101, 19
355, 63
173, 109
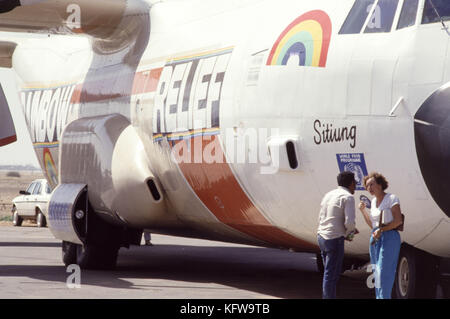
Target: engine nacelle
106, 153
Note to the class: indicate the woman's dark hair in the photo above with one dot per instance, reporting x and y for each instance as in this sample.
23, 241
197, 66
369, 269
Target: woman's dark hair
345, 179
379, 179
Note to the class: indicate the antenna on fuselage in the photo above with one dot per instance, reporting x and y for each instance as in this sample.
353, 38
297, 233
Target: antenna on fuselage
442, 20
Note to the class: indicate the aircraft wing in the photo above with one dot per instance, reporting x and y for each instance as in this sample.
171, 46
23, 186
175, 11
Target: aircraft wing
98, 18
7, 130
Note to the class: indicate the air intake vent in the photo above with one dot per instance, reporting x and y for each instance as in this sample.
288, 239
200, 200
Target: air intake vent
292, 155
284, 152
153, 189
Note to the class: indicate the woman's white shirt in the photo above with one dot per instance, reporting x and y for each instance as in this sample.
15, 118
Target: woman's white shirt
389, 201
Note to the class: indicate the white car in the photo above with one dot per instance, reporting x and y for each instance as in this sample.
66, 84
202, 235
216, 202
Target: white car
32, 204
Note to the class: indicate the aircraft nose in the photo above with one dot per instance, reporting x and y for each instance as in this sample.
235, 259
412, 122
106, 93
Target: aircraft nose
432, 137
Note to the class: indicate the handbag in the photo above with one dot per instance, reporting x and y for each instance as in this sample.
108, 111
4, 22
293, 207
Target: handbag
399, 228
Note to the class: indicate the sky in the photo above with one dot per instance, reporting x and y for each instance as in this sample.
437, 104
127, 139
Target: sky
20, 152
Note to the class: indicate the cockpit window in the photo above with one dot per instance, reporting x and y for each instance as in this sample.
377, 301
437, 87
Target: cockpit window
357, 16
408, 14
442, 7
382, 17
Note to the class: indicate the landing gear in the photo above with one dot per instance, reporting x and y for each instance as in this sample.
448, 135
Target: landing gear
100, 245
417, 274
90, 256
97, 257
69, 253
101, 241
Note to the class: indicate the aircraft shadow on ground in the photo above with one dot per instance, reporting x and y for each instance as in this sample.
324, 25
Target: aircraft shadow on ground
29, 244
270, 272
267, 271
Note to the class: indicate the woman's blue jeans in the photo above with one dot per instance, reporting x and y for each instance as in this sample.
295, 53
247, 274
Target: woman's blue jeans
384, 258
332, 255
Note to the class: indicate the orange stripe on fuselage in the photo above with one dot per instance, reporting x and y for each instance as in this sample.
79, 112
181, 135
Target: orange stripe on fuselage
146, 81
76, 95
217, 187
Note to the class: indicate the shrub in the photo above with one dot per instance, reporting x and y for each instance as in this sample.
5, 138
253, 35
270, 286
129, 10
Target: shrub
6, 219
13, 174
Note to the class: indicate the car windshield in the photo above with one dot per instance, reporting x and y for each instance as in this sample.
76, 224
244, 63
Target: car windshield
442, 7
31, 188
37, 189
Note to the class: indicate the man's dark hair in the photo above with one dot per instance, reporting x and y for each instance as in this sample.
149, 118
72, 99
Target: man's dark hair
345, 179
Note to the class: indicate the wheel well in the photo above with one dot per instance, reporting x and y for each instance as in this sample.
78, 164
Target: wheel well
37, 209
421, 253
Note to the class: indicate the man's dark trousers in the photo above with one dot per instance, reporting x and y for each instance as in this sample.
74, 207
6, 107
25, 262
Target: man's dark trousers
332, 255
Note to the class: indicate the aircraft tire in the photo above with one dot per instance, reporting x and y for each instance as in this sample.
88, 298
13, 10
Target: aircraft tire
69, 253
405, 277
416, 275
40, 219
17, 220
97, 257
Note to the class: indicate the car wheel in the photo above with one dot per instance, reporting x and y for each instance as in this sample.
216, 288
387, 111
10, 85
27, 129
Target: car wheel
17, 220
40, 219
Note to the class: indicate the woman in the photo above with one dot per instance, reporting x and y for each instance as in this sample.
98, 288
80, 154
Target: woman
385, 240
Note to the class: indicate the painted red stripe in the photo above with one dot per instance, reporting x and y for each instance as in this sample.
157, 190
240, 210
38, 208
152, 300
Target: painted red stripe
146, 81
8, 140
76, 95
152, 83
139, 83
325, 21
220, 191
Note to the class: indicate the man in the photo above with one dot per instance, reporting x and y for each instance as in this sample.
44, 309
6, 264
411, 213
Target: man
336, 223
147, 238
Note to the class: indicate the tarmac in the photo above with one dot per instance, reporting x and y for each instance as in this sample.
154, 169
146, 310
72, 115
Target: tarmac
174, 268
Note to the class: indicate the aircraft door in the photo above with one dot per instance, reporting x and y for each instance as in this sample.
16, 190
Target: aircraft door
372, 66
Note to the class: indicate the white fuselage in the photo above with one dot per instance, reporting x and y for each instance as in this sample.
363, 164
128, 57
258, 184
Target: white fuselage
204, 78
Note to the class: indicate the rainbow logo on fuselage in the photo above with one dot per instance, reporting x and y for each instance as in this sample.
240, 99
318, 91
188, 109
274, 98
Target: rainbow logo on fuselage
307, 39
50, 168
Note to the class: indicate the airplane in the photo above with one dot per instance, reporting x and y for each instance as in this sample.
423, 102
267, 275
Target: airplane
229, 120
